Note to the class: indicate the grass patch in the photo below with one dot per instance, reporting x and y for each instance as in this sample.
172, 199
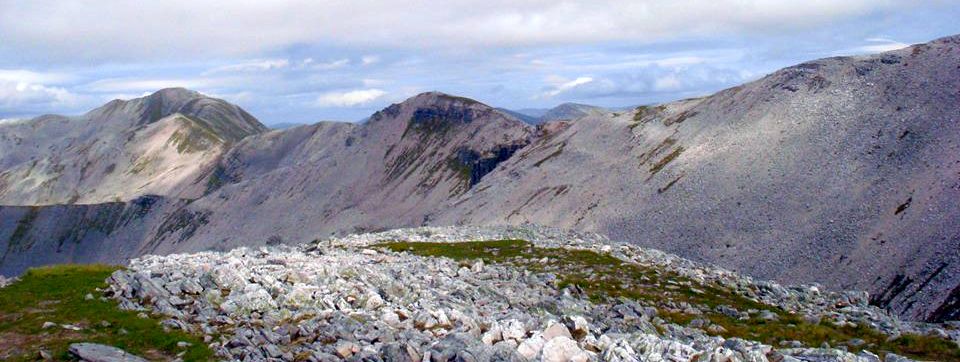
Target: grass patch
666, 160
606, 278
662, 146
555, 153
57, 294
194, 137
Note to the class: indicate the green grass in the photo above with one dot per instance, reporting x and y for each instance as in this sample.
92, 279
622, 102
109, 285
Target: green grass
197, 136
665, 160
606, 278
57, 294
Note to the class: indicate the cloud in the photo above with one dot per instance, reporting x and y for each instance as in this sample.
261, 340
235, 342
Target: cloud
29, 95
369, 59
51, 30
298, 60
372, 82
253, 66
876, 45
565, 86
667, 83
331, 64
349, 99
10, 120
138, 85
28, 76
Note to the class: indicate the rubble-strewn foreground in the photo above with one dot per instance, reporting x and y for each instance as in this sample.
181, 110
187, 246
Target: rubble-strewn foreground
531, 294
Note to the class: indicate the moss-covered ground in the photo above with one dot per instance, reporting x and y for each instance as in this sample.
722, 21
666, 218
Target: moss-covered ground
58, 294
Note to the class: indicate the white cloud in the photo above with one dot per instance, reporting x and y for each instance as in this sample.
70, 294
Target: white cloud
138, 85
23, 94
136, 30
372, 82
563, 86
667, 83
339, 63
253, 66
878, 45
28, 76
369, 59
350, 98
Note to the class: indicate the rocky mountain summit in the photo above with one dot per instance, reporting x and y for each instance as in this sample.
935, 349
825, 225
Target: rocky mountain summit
572, 111
124, 149
562, 112
385, 297
840, 171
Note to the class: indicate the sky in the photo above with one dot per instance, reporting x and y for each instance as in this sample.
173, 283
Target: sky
308, 61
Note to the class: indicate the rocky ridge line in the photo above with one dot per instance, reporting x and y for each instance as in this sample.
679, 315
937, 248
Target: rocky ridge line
340, 299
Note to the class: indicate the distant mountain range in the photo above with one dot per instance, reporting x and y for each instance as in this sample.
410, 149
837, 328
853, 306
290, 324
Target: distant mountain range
285, 125
843, 171
565, 111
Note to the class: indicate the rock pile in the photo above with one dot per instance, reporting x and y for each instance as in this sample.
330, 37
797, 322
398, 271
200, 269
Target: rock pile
339, 299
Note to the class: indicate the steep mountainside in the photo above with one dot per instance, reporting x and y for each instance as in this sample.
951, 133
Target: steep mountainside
149, 145
407, 161
842, 171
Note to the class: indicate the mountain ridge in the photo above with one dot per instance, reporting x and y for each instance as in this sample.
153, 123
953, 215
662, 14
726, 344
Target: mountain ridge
837, 162
562, 112
121, 150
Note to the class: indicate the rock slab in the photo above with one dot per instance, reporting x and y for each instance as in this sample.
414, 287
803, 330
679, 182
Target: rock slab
92, 352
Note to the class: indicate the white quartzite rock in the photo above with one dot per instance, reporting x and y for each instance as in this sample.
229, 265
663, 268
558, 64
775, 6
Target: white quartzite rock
92, 352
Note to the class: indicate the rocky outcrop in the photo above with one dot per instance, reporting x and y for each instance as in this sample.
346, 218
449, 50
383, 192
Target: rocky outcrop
345, 298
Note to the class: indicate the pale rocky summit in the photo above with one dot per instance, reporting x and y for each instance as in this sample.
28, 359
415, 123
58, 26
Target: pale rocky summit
562, 112
572, 111
152, 145
341, 299
841, 171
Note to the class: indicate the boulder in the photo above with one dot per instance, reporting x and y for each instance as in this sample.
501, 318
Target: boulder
555, 330
530, 348
92, 352
563, 349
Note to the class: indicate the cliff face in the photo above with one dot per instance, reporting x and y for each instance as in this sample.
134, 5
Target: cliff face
841, 171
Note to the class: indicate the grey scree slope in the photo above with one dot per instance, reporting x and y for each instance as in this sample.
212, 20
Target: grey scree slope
843, 171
